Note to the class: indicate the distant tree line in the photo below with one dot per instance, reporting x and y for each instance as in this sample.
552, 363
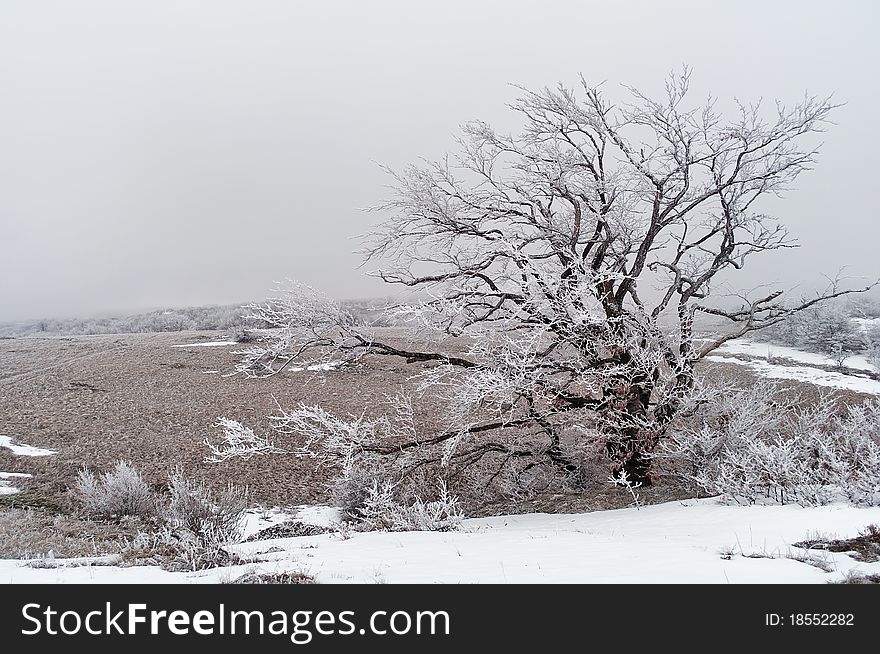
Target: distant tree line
836, 329
227, 317
160, 320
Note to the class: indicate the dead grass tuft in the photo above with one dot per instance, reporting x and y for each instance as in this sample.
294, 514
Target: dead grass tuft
27, 533
865, 547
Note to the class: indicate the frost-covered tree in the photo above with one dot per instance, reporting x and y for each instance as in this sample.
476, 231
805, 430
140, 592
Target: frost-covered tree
549, 262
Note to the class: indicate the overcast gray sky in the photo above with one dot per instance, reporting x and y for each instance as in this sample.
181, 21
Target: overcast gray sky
191, 152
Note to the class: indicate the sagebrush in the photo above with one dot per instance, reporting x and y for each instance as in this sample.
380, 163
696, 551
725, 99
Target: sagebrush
759, 444
212, 517
118, 493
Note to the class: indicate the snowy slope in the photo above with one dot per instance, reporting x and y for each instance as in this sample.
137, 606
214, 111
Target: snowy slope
805, 374
698, 541
770, 351
779, 362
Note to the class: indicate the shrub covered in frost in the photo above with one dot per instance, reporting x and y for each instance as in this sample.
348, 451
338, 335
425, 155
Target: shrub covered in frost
751, 445
119, 492
177, 549
196, 527
240, 334
212, 517
382, 509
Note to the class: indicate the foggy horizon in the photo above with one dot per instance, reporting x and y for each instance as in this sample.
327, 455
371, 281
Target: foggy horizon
184, 154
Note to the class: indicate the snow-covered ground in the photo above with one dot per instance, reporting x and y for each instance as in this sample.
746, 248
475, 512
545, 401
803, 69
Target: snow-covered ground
18, 449
207, 344
771, 351
805, 374
780, 362
257, 520
696, 541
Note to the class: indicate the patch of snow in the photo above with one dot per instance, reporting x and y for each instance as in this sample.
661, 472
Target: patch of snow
255, 520
210, 372
327, 366
207, 344
319, 516
697, 541
49, 561
769, 351
6, 487
805, 374
23, 450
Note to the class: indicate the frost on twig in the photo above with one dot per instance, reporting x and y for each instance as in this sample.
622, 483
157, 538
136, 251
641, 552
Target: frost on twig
239, 441
304, 327
313, 432
383, 510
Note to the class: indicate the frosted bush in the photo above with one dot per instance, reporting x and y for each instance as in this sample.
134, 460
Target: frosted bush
240, 334
177, 550
117, 493
213, 518
751, 447
826, 328
872, 346
383, 510
355, 485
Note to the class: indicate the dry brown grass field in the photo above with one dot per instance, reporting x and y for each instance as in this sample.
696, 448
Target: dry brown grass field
136, 397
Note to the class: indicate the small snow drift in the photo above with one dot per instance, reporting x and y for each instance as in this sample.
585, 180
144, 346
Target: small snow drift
207, 344
256, 520
6, 487
22, 449
319, 516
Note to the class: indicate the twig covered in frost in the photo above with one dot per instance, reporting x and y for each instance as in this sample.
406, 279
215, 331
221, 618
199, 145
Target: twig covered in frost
212, 517
239, 441
301, 322
622, 479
